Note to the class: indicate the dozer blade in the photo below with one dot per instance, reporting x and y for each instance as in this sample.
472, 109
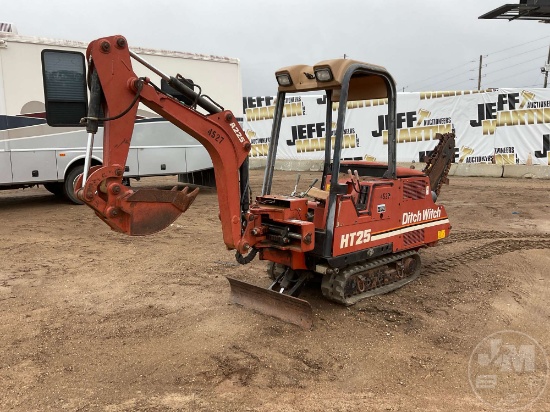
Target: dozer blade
271, 303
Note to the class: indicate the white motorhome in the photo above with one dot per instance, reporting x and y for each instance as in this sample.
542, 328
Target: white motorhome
33, 152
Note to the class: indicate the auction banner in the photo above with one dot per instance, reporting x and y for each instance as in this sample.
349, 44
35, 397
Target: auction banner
504, 126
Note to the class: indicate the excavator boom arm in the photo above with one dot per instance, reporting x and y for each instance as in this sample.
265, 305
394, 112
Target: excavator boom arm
148, 211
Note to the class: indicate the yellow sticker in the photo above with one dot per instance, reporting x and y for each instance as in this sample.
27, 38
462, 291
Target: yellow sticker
441, 234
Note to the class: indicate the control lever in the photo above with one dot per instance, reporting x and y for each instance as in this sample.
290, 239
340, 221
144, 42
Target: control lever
355, 180
296, 186
303, 194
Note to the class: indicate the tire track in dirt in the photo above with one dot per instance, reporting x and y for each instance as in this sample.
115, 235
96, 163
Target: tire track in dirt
492, 234
495, 248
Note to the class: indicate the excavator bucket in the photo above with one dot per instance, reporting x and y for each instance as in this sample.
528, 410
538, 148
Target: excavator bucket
266, 301
153, 210
147, 211
136, 213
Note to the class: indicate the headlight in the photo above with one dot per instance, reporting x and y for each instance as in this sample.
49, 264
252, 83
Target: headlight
284, 79
323, 75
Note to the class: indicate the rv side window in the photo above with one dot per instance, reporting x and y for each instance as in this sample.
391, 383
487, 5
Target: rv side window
64, 75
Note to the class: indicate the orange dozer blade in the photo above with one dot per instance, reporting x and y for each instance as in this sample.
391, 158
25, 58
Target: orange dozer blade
271, 303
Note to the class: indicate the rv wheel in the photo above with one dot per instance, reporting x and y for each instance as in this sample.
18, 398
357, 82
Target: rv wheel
68, 184
55, 188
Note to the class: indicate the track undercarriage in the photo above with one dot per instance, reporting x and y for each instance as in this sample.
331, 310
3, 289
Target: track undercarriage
353, 283
346, 287
370, 278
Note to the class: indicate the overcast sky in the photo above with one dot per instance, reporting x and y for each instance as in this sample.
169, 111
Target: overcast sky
425, 44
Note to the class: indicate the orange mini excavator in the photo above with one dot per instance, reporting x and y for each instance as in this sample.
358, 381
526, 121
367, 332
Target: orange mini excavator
360, 231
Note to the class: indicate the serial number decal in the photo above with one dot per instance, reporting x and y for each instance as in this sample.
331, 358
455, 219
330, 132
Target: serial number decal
237, 132
215, 135
355, 238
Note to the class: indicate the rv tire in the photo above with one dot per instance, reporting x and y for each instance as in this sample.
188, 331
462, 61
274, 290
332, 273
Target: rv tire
68, 184
55, 188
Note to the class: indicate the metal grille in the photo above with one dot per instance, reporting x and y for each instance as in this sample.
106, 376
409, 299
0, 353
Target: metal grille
411, 238
414, 190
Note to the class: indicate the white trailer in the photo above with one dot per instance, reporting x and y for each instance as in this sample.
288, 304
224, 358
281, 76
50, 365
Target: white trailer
33, 152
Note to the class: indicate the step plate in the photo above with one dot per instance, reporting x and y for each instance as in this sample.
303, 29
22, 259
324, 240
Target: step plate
284, 307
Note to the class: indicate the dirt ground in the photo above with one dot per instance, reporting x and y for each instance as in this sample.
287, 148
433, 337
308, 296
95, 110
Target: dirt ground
94, 320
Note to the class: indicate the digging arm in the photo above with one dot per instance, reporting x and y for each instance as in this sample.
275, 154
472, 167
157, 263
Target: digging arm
148, 211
